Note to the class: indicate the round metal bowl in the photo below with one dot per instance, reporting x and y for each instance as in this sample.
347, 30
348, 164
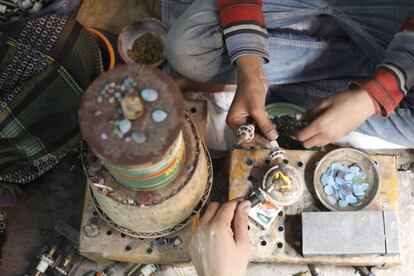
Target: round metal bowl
348, 157
134, 31
291, 196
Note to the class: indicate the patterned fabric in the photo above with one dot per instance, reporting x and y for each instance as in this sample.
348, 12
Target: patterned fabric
243, 21
45, 66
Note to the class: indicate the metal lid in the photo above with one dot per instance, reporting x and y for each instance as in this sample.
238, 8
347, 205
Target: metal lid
151, 127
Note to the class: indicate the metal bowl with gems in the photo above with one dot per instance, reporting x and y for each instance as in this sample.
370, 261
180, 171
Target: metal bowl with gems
346, 180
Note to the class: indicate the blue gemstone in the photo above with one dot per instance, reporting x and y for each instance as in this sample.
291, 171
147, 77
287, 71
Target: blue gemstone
354, 169
351, 199
330, 172
149, 95
331, 181
342, 203
361, 175
339, 181
359, 194
159, 115
329, 190
139, 137
124, 125
342, 194
336, 165
331, 200
324, 179
349, 176
364, 186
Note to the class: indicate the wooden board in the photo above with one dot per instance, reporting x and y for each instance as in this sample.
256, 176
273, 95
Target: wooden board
281, 243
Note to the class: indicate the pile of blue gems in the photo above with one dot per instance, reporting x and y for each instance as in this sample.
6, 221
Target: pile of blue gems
126, 97
344, 185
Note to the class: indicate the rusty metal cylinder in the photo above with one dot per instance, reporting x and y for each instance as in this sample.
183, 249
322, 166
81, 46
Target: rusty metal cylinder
148, 170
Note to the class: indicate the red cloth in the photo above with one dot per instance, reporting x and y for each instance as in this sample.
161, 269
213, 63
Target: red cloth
234, 12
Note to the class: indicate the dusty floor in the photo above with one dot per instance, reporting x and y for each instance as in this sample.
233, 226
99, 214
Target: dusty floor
59, 195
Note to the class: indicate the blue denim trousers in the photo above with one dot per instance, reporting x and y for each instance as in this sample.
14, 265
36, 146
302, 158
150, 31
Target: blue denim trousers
316, 47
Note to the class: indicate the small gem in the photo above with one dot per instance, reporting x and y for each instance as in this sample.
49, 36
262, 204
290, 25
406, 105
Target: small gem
332, 200
139, 137
98, 113
342, 203
328, 190
103, 92
104, 136
349, 176
127, 139
340, 181
111, 100
99, 99
342, 194
324, 179
336, 165
354, 169
363, 187
149, 95
361, 175
117, 95
331, 180
124, 125
351, 199
159, 115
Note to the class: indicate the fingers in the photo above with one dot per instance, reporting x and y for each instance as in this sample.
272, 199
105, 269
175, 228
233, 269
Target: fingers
258, 140
316, 141
225, 214
308, 132
264, 123
240, 222
235, 121
311, 114
210, 213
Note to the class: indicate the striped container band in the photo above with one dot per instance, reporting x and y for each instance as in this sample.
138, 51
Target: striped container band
153, 176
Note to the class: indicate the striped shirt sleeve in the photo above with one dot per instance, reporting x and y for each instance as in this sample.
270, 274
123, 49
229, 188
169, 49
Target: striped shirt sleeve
394, 76
244, 28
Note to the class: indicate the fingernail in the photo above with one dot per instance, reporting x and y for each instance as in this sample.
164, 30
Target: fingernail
272, 135
246, 209
298, 116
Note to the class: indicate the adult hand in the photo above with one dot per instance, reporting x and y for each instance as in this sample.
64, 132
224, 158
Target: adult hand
220, 246
335, 117
250, 99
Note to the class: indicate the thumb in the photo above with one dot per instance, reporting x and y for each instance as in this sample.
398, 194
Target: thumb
264, 123
240, 223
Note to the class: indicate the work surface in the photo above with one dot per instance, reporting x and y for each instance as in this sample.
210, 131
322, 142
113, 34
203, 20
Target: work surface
282, 242
32, 222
